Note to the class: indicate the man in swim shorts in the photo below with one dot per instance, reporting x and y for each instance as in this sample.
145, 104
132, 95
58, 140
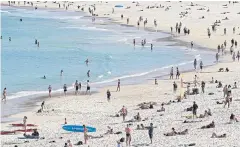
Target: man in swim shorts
128, 135
118, 86
88, 87
65, 89
76, 87
150, 132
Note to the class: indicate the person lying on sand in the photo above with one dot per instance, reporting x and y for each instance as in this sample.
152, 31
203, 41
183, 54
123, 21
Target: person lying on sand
142, 127
206, 113
95, 137
219, 85
211, 125
192, 121
172, 133
35, 134
220, 102
214, 135
183, 132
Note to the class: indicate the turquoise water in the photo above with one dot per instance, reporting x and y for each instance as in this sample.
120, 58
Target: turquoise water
67, 39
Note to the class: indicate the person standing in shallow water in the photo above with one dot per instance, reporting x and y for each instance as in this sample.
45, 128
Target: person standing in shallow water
201, 65
49, 91
171, 73
195, 63
178, 73
4, 94
65, 89
151, 47
118, 86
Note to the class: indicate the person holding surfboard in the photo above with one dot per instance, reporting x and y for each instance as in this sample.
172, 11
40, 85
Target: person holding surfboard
85, 130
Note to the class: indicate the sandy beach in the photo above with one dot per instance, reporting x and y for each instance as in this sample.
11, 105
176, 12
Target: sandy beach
94, 110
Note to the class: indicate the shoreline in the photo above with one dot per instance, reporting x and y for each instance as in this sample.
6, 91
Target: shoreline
37, 98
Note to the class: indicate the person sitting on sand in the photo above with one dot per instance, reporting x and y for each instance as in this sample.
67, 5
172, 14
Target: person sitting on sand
214, 135
211, 125
162, 108
173, 133
35, 133
219, 85
109, 131
233, 118
235, 85
203, 115
140, 127
138, 117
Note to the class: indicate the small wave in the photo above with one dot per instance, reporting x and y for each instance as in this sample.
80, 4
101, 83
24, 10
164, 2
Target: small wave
100, 76
2, 11
86, 28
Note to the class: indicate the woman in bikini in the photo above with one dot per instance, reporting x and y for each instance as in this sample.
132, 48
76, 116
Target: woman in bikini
128, 135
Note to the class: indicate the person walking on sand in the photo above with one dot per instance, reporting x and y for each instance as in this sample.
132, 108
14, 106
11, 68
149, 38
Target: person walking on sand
85, 131
195, 63
118, 86
108, 95
194, 110
49, 91
76, 87
25, 123
238, 55
203, 86
124, 112
4, 94
65, 89
201, 65
42, 105
234, 56
150, 132
178, 73
171, 73
128, 135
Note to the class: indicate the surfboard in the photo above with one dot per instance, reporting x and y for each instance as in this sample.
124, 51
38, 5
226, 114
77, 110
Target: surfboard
7, 132
77, 128
21, 125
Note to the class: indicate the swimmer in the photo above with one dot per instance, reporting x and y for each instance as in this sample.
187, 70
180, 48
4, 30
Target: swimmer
151, 47
61, 73
38, 44
88, 73
4, 94
1, 37
20, 19
134, 42
36, 41
49, 91
87, 61
44, 77
10, 39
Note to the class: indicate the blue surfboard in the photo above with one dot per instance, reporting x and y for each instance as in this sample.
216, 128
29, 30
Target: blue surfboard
77, 128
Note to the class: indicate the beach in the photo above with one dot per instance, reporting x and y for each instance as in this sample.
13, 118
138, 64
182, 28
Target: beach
94, 110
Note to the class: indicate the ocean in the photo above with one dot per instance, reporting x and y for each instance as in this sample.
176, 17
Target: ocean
67, 39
